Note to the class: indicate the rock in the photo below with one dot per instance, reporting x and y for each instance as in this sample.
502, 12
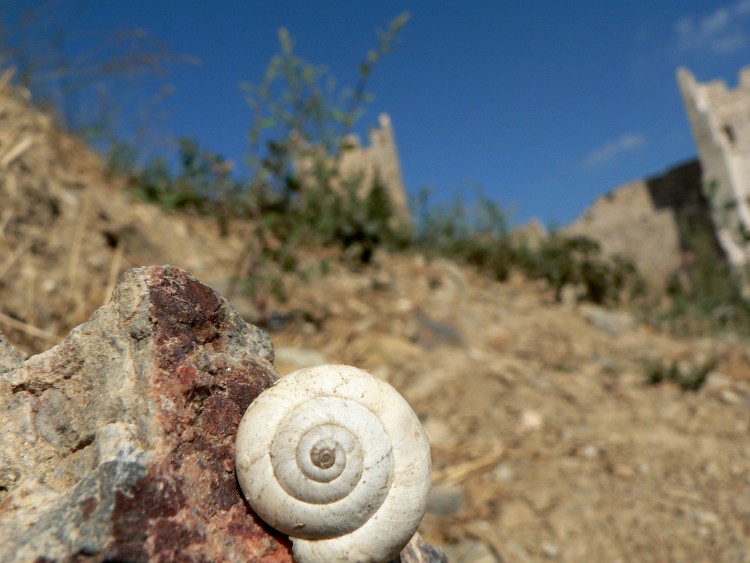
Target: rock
530, 420
446, 499
118, 444
9, 356
431, 334
550, 549
416, 551
289, 359
515, 513
611, 322
473, 551
439, 432
383, 349
382, 281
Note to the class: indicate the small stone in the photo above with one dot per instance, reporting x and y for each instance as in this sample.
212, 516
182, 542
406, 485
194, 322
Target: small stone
473, 551
530, 420
550, 549
705, 517
590, 451
382, 281
505, 472
10, 358
446, 499
438, 431
403, 305
611, 322
541, 498
519, 553
432, 334
289, 358
417, 551
516, 512
729, 397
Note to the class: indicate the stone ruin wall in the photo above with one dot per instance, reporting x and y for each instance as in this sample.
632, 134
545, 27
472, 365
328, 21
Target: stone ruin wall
626, 222
364, 163
380, 158
656, 221
720, 119
650, 222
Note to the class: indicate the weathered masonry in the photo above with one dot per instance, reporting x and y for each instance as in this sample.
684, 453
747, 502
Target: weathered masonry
381, 159
364, 164
720, 119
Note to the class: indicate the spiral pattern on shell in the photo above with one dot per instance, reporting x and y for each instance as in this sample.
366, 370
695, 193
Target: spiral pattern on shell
336, 459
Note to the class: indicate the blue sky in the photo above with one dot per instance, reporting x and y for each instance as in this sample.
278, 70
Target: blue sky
545, 105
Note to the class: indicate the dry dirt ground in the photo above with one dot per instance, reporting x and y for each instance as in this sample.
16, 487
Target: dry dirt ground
547, 442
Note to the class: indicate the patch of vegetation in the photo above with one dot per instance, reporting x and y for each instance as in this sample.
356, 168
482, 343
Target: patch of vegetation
203, 182
706, 296
686, 377
480, 237
305, 122
578, 262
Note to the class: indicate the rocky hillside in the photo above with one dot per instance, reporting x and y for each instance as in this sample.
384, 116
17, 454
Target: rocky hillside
548, 441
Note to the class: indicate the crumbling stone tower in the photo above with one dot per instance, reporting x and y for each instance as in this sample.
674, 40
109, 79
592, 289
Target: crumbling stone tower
363, 165
381, 159
720, 119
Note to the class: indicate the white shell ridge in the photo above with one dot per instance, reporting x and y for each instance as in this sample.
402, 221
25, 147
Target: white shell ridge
336, 459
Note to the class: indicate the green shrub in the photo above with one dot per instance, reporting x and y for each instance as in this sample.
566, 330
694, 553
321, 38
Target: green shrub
479, 236
202, 182
578, 262
707, 296
686, 377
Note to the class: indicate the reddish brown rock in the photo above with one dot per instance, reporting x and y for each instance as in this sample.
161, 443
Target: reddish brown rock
118, 444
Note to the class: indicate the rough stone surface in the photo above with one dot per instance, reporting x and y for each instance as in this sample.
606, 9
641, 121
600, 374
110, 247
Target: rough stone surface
652, 223
416, 551
366, 163
9, 357
118, 443
719, 120
613, 323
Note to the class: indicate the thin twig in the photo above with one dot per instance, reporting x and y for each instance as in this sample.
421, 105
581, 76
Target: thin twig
75, 254
5, 268
114, 271
4, 220
29, 329
12, 187
501, 552
16, 151
456, 474
6, 77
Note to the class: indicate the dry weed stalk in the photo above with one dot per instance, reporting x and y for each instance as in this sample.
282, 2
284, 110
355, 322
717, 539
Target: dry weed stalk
29, 329
455, 474
114, 271
17, 150
14, 256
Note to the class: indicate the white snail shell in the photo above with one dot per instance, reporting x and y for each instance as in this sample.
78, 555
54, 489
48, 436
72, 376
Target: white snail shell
336, 459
